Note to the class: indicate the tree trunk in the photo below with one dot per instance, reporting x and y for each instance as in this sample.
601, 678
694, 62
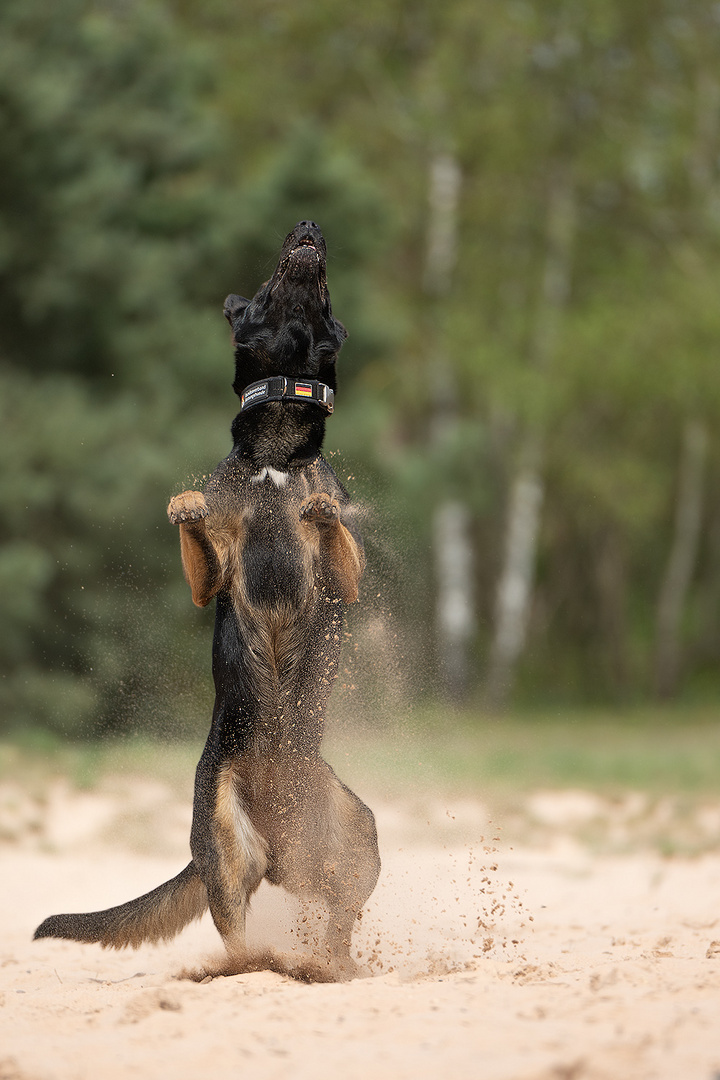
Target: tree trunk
452, 546
454, 609
681, 562
443, 199
515, 585
514, 592
675, 584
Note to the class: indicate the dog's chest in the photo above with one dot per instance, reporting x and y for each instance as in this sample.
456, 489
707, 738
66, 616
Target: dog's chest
276, 559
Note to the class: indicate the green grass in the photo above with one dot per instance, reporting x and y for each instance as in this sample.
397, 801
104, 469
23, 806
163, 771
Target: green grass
653, 750
656, 771
34, 758
658, 751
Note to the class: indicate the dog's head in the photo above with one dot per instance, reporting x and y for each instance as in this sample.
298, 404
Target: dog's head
288, 327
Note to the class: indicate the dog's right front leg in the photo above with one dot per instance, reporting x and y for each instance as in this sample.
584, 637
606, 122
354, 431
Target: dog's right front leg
201, 565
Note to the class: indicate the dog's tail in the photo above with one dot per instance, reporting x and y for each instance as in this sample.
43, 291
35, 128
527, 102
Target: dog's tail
157, 916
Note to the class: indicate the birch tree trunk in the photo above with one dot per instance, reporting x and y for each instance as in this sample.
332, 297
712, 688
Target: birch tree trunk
515, 586
514, 591
452, 547
681, 561
443, 198
454, 608
675, 585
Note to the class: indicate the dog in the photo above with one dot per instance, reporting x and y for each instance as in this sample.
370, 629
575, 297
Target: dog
273, 537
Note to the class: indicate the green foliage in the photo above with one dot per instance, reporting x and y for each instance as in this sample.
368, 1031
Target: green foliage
153, 156
118, 243
107, 210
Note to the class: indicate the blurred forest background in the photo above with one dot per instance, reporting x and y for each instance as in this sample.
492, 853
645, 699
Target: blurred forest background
522, 207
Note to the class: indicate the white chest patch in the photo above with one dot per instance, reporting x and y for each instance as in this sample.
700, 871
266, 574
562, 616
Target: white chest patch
279, 479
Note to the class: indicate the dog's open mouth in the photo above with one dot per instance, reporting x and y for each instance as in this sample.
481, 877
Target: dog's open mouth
302, 265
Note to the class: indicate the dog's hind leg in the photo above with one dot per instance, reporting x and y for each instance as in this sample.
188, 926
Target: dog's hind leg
228, 851
332, 856
350, 868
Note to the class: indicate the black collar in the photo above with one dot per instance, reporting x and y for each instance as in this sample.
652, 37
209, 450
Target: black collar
280, 388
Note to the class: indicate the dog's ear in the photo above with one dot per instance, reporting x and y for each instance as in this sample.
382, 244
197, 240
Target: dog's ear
234, 306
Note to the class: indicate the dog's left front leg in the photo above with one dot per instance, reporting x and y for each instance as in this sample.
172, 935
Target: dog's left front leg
340, 555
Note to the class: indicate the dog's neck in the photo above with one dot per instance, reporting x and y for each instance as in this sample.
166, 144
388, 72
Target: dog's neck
279, 435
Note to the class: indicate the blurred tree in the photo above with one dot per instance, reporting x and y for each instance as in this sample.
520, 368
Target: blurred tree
691, 92
119, 239
554, 117
151, 159
108, 229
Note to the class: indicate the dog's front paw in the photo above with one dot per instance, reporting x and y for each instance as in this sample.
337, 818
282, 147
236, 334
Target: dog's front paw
320, 509
188, 506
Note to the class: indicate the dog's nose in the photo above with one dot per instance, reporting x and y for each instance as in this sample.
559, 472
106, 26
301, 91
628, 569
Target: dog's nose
307, 232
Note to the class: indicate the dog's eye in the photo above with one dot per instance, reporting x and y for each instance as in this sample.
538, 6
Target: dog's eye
298, 309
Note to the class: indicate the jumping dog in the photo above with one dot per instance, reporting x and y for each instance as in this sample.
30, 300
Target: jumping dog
274, 538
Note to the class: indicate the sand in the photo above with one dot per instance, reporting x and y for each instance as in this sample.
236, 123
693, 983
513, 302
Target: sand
541, 960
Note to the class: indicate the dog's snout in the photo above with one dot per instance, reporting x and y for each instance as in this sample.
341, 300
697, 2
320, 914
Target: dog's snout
307, 232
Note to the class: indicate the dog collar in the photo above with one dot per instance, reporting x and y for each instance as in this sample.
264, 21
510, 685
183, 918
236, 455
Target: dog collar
280, 388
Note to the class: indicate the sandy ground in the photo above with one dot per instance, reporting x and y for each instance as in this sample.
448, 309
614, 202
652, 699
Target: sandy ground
532, 961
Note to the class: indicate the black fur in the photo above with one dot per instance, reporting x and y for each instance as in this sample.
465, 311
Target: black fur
288, 328
274, 538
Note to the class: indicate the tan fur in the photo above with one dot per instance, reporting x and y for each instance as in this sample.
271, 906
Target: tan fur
201, 566
210, 547
243, 861
318, 831
337, 550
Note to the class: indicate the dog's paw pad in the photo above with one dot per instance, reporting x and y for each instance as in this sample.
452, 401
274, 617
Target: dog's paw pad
188, 506
320, 509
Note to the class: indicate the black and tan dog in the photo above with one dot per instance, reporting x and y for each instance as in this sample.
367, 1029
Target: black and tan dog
272, 537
